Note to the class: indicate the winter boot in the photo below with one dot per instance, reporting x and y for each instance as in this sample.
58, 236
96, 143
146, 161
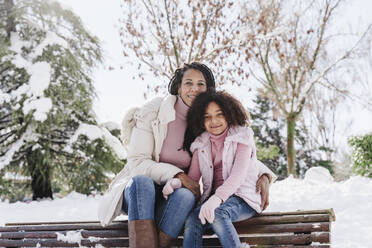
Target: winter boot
142, 234
165, 241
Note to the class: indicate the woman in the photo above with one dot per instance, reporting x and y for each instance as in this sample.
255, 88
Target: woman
154, 157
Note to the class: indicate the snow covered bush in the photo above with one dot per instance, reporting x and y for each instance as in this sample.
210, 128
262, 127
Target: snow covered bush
362, 154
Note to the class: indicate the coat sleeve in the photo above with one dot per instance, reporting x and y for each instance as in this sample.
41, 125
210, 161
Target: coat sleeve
263, 169
141, 149
247, 135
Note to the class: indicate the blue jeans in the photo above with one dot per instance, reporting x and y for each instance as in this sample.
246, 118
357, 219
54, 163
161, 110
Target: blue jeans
143, 200
232, 210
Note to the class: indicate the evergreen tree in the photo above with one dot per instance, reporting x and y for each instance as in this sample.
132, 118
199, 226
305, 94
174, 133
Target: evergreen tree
271, 142
46, 95
362, 154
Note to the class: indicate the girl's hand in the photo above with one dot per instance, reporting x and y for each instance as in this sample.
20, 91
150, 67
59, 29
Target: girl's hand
170, 186
207, 210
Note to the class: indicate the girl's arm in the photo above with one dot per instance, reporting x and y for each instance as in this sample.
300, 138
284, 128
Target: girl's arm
194, 171
244, 163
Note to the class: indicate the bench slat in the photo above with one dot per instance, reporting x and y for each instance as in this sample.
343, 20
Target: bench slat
56, 243
52, 234
283, 228
297, 212
286, 246
56, 227
295, 239
300, 212
241, 229
259, 220
286, 219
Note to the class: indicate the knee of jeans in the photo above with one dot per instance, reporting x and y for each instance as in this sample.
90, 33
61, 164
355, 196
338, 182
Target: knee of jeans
140, 181
192, 220
184, 196
221, 214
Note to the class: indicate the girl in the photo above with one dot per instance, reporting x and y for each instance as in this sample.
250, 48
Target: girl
224, 156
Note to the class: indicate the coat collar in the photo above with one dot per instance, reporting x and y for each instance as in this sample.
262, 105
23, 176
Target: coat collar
236, 134
167, 112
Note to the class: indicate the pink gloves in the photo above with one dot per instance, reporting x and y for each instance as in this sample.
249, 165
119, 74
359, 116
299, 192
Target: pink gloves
207, 209
170, 186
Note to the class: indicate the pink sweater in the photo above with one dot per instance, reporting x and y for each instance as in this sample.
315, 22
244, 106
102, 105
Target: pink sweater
217, 148
170, 151
240, 177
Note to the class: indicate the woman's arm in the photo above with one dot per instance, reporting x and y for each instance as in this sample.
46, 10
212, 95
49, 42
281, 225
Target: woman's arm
142, 146
263, 170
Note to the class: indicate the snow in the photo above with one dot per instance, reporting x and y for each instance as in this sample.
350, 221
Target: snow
95, 132
110, 125
40, 75
70, 237
350, 199
50, 39
41, 106
27, 136
15, 176
318, 175
40, 78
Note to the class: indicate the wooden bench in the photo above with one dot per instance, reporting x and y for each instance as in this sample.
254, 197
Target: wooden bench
275, 229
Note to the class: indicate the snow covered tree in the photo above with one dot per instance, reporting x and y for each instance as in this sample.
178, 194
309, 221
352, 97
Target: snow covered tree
46, 95
294, 50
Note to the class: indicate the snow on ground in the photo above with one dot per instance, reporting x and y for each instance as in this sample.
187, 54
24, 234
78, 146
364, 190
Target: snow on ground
350, 199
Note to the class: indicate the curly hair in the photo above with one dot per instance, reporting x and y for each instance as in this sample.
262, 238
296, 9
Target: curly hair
233, 110
176, 80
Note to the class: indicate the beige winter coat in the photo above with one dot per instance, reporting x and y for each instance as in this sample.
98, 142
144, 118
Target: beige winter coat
148, 127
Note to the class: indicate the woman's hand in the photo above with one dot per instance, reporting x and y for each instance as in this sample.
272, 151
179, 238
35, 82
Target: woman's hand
170, 186
189, 184
262, 186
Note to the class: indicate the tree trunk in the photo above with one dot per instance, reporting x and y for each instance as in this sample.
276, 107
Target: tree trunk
10, 22
291, 153
40, 175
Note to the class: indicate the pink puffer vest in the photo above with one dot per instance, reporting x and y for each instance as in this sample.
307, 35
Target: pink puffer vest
237, 134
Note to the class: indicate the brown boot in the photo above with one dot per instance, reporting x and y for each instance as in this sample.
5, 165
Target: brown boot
142, 234
165, 241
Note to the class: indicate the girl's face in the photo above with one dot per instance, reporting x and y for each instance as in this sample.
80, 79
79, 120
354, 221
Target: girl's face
214, 119
193, 83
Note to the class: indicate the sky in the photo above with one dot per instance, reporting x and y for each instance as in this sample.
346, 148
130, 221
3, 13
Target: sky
117, 91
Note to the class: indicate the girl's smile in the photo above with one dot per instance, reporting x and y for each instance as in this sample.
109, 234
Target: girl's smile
214, 119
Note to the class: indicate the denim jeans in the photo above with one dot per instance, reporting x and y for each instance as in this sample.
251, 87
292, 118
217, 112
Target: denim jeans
232, 210
143, 200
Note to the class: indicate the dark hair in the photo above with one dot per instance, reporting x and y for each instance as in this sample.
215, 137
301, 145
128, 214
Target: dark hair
176, 80
233, 110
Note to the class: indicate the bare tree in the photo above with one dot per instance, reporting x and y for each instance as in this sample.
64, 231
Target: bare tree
294, 56
165, 34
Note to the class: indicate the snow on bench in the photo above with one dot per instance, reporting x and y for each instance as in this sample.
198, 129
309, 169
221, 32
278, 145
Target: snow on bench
309, 228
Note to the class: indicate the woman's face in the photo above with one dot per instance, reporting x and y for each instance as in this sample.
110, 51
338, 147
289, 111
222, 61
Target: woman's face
214, 119
192, 84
